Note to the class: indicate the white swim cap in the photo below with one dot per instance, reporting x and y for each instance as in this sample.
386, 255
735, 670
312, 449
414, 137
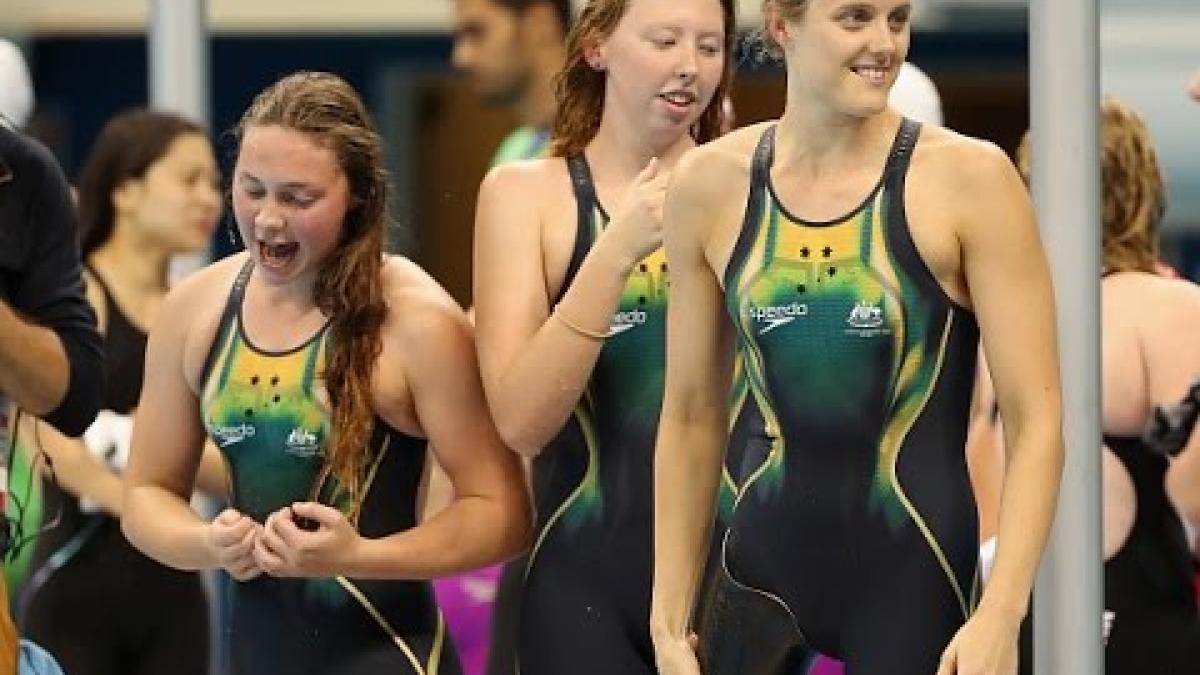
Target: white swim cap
915, 96
16, 89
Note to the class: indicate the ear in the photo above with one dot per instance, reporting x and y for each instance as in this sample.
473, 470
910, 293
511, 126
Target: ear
126, 194
595, 51
778, 27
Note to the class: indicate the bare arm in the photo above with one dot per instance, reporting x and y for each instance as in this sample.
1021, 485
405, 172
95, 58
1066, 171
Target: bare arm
50, 356
692, 431
985, 453
535, 366
490, 518
212, 478
79, 472
167, 442
33, 363
1008, 276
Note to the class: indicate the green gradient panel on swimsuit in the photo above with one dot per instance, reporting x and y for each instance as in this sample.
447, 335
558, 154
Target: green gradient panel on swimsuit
263, 413
624, 397
835, 291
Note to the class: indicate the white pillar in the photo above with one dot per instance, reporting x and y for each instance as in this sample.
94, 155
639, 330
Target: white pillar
178, 43
179, 67
1064, 115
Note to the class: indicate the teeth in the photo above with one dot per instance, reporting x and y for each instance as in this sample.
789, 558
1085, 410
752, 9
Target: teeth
277, 253
873, 74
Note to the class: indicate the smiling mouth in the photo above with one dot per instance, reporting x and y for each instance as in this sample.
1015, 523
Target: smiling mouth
876, 75
680, 99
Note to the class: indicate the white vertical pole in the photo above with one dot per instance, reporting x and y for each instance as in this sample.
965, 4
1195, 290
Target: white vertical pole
179, 77
178, 43
1064, 113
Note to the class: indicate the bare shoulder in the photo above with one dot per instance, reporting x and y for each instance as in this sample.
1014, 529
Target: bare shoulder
706, 174
419, 309
730, 154
191, 312
1154, 298
205, 286
516, 181
958, 161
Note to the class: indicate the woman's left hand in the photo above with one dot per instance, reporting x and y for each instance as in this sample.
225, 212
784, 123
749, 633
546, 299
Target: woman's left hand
985, 645
306, 540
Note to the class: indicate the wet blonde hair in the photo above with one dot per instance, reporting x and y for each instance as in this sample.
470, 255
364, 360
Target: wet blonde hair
1132, 192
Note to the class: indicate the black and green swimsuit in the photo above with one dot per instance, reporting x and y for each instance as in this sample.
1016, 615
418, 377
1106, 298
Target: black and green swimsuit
856, 537
265, 412
586, 603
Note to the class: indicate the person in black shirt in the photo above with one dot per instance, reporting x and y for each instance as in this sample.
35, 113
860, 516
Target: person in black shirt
50, 358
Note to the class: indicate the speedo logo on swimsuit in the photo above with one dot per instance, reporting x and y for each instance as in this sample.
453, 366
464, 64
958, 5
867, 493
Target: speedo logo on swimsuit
623, 321
774, 316
227, 436
301, 443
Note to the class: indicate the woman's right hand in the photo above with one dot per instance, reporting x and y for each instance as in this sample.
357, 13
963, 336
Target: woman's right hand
231, 537
636, 228
677, 656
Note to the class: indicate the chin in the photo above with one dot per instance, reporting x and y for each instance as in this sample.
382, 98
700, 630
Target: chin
865, 107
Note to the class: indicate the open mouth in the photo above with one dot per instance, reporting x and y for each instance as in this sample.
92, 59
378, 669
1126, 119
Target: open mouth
875, 75
277, 255
679, 100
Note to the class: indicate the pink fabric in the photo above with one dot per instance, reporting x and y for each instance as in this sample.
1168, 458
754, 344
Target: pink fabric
466, 602
826, 666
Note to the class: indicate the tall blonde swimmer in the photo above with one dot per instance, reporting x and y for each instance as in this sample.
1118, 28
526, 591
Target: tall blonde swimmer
854, 257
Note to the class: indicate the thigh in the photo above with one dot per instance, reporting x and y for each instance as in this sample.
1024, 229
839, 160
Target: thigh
77, 628
178, 640
899, 637
502, 649
566, 628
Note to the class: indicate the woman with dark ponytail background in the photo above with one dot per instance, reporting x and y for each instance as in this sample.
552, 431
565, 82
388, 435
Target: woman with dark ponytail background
148, 191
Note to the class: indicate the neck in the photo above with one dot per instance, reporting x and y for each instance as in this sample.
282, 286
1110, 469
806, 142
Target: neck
625, 148
129, 261
295, 298
812, 132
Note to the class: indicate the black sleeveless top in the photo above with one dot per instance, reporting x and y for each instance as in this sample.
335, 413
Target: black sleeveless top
1153, 569
124, 355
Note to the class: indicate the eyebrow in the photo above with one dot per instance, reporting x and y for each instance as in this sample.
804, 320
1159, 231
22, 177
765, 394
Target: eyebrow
290, 185
677, 29
867, 5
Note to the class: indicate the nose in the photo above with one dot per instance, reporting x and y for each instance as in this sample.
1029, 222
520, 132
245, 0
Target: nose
686, 67
883, 39
462, 54
268, 215
209, 196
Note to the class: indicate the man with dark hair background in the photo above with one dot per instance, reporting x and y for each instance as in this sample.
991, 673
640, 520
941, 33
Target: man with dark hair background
510, 51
